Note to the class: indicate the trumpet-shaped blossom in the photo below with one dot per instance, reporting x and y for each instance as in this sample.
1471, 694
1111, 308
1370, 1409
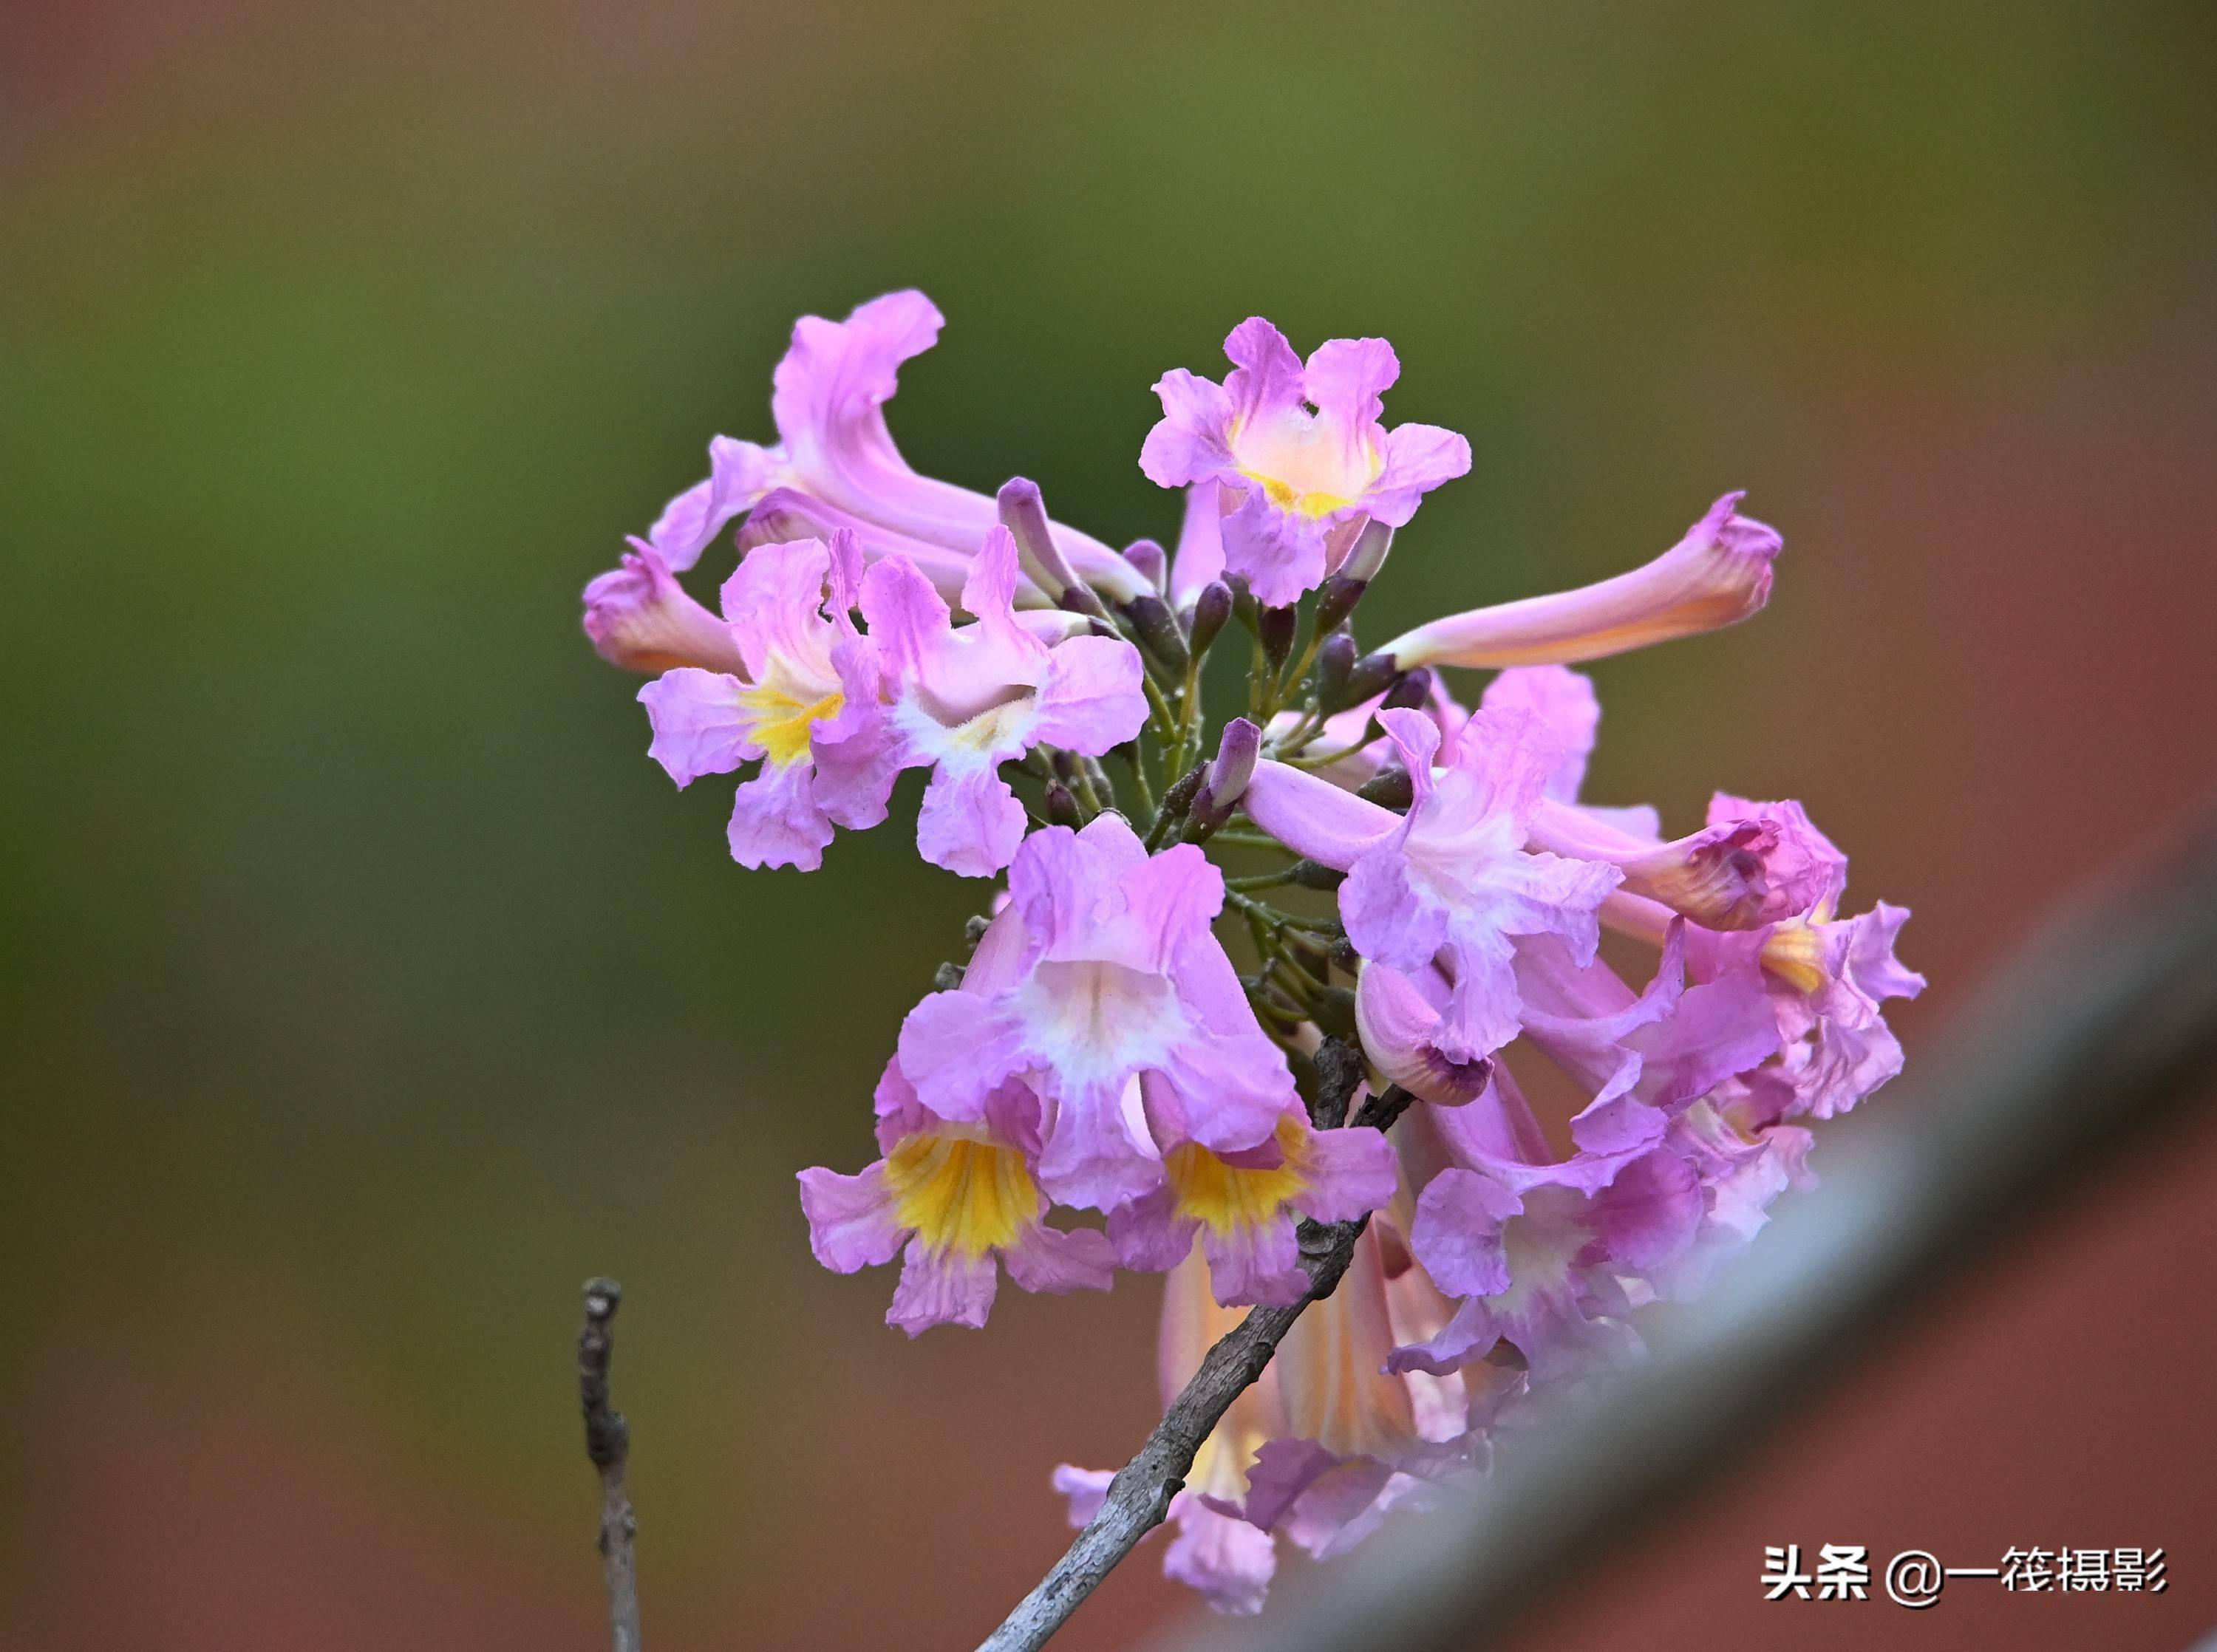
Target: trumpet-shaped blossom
1297, 452
956, 1197
1544, 1256
1825, 979
962, 701
1241, 1205
640, 619
1451, 878
1717, 575
790, 705
1102, 987
835, 465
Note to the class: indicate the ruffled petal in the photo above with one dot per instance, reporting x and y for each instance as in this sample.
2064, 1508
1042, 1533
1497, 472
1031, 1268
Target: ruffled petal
969, 822
776, 822
850, 1219
1091, 701
700, 723
942, 1288
1051, 1259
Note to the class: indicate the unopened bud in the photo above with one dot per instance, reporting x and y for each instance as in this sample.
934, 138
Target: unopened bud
1211, 608
1368, 554
1370, 676
1334, 661
1276, 628
1336, 599
1243, 608
1023, 513
1411, 691
1314, 875
1061, 805
1147, 557
1158, 632
973, 930
1389, 788
1229, 775
946, 978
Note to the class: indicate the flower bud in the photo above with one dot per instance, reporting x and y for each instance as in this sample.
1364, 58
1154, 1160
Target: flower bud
1371, 675
1061, 805
1023, 513
1243, 608
1314, 875
1398, 1027
1151, 617
1389, 788
1235, 762
1225, 782
1153, 564
1336, 599
1211, 608
1275, 627
1367, 557
1335, 662
1411, 690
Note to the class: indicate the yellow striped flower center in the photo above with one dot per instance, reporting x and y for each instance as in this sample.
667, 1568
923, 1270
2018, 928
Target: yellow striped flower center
961, 1193
782, 722
1224, 1197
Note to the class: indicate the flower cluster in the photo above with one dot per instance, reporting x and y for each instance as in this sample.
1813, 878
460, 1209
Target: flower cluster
1415, 880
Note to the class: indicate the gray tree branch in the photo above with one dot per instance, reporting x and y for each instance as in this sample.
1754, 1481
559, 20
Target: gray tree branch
1138, 1498
607, 1443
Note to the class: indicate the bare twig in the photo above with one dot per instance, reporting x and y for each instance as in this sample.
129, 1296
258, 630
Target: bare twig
1138, 1498
2106, 1018
608, 1442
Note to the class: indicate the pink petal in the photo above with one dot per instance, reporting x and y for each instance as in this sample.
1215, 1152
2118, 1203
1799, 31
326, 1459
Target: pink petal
776, 822
700, 726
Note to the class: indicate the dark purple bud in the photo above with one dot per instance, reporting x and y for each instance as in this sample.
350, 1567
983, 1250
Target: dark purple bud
1336, 599
1178, 800
1389, 788
1157, 628
1211, 608
1276, 627
1061, 805
1243, 608
1371, 675
1411, 690
1334, 661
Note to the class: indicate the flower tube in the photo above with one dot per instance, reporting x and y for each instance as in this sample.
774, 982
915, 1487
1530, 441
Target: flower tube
1717, 576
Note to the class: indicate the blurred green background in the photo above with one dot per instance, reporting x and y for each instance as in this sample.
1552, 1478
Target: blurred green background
365, 988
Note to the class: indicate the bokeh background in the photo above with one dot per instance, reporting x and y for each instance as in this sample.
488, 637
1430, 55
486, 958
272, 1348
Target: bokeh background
365, 988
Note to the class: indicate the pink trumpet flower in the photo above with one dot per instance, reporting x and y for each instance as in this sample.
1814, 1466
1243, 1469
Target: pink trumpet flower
1717, 576
1297, 454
